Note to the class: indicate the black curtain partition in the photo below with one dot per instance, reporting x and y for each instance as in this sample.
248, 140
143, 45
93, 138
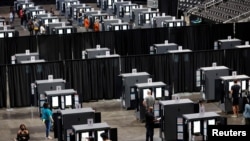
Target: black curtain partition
12, 46
21, 76
54, 48
169, 7
124, 43
193, 37
238, 59
242, 31
221, 31
93, 79
3, 90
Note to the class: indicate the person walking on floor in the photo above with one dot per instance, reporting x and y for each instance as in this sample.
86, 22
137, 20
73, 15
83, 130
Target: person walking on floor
47, 119
149, 124
86, 23
235, 91
246, 113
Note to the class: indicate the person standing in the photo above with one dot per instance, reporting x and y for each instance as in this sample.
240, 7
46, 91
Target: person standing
149, 101
11, 16
86, 23
20, 13
149, 124
96, 25
47, 119
246, 113
31, 27
79, 17
235, 91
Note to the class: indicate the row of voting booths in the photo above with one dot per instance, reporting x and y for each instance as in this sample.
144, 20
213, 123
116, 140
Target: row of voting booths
53, 24
6, 31
127, 15
72, 122
215, 85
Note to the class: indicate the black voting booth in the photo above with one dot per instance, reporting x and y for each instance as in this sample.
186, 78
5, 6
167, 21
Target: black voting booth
207, 76
84, 131
170, 110
93, 52
163, 48
26, 56
128, 93
194, 126
64, 120
224, 84
158, 92
61, 99
228, 43
46, 85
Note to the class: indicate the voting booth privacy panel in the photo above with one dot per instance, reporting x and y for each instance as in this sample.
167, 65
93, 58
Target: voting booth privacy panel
193, 126
205, 79
170, 111
45, 85
128, 91
65, 119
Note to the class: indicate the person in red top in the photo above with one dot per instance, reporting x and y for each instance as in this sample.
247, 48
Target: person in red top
86, 23
21, 13
96, 25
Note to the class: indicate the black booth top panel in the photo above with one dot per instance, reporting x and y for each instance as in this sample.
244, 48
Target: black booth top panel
172, 102
50, 81
195, 116
214, 68
229, 40
152, 84
77, 111
86, 127
234, 77
60, 92
134, 74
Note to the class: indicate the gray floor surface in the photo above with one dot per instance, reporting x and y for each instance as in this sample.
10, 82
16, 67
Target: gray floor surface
112, 112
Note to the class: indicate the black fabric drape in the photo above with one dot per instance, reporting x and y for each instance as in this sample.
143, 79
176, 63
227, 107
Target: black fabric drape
242, 31
168, 6
12, 46
93, 79
21, 76
222, 31
3, 89
237, 60
54, 48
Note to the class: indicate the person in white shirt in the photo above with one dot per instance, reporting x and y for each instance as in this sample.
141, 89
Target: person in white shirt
42, 29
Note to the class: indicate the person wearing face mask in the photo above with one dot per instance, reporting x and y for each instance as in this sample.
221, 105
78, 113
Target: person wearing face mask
22, 134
